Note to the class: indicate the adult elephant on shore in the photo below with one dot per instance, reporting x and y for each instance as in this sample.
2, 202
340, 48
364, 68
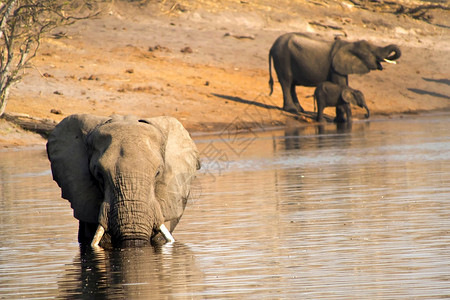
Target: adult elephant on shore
302, 59
126, 178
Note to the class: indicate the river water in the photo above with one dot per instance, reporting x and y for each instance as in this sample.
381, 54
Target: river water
301, 213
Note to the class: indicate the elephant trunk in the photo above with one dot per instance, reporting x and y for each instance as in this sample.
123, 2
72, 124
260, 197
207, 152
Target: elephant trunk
131, 214
391, 52
367, 115
134, 221
135, 213
126, 236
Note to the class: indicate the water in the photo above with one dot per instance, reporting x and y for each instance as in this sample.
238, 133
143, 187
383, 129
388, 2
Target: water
307, 213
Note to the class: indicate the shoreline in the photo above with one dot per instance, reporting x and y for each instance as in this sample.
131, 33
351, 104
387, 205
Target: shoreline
25, 140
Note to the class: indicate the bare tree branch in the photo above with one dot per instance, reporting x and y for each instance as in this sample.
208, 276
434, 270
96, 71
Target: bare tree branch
22, 24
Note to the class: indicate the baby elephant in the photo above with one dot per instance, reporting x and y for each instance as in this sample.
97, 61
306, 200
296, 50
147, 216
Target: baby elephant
330, 94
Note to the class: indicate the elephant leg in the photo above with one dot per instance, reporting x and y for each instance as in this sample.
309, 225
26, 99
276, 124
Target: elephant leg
320, 114
348, 112
86, 232
340, 114
288, 104
295, 99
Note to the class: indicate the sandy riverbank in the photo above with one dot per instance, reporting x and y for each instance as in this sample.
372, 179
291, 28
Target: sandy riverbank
205, 62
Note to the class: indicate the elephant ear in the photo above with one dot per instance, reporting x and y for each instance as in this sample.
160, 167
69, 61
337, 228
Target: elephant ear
353, 58
181, 161
67, 152
348, 96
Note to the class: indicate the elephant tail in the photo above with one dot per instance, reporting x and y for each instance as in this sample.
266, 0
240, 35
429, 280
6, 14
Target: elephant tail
270, 73
314, 103
315, 100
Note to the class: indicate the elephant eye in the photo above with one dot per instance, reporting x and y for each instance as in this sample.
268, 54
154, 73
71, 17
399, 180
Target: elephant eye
157, 173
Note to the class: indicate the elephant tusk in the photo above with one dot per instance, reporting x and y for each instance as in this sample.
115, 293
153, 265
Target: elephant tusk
390, 61
98, 236
166, 233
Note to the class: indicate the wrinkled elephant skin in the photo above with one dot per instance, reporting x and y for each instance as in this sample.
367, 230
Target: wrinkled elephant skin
124, 177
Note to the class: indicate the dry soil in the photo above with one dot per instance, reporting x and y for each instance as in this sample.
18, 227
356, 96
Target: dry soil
206, 63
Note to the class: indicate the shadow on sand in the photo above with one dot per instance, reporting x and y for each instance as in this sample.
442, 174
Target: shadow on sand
423, 92
308, 115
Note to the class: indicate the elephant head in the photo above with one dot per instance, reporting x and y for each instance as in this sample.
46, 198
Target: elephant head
127, 175
355, 97
361, 57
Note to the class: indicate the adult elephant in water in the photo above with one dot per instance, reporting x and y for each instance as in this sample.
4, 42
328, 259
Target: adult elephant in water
302, 59
127, 179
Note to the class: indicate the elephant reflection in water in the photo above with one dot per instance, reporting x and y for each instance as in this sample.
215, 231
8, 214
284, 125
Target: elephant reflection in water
133, 273
311, 137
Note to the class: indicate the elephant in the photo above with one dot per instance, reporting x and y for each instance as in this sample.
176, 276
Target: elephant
127, 179
331, 94
306, 60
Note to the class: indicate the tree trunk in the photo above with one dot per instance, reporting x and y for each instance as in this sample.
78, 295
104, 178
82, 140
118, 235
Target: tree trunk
3, 100
38, 125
